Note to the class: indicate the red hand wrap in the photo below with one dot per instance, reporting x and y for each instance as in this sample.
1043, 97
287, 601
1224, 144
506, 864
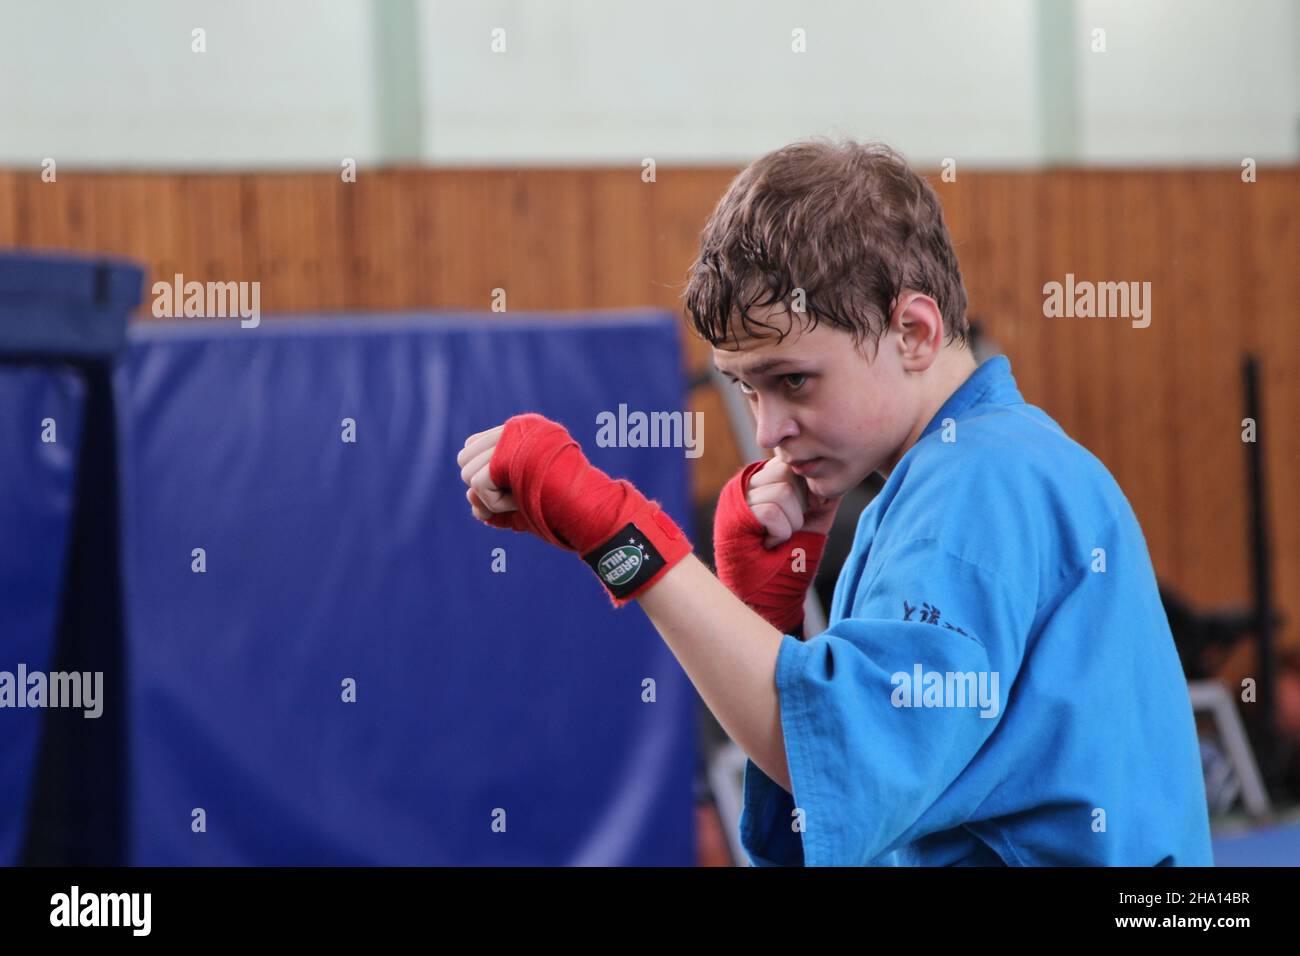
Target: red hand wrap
565, 500
763, 578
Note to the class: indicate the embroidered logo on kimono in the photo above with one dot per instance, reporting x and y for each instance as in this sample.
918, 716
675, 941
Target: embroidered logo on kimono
929, 615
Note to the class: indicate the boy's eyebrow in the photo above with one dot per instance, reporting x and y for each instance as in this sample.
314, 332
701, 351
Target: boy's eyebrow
762, 367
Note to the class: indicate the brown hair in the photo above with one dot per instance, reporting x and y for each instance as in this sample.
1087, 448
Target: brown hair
848, 223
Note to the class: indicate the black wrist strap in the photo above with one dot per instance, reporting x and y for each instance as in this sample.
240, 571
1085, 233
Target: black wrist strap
626, 561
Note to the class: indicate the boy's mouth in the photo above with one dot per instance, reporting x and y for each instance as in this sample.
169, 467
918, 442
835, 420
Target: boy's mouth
806, 467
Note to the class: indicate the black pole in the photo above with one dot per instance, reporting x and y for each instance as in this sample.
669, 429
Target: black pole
1261, 574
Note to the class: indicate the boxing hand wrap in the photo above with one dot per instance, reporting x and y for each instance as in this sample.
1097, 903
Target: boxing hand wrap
765, 579
629, 541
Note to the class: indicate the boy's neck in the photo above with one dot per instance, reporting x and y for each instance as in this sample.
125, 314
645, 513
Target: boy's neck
949, 372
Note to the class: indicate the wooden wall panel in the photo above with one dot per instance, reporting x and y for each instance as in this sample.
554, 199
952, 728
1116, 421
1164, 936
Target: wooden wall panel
1160, 406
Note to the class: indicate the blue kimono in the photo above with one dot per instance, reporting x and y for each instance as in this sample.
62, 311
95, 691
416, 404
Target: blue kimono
998, 683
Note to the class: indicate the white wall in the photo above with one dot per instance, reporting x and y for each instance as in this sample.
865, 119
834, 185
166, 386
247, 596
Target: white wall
1202, 80
302, 84
114, 82
700, 81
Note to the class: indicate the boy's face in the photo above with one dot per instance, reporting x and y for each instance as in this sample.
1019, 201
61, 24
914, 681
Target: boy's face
824, 401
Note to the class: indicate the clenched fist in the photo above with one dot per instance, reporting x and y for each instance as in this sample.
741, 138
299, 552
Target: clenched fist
769, 533
530, 475
782, 503
485, 498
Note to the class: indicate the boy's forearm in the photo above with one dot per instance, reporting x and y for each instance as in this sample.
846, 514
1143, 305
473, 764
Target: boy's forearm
729, 652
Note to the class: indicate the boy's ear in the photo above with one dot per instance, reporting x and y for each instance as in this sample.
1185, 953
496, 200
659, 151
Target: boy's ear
920, 326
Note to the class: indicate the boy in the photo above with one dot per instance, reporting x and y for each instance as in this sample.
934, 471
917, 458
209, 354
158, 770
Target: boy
998, 683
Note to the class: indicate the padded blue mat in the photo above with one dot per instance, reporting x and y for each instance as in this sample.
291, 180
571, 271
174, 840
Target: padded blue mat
482, 697
37, 481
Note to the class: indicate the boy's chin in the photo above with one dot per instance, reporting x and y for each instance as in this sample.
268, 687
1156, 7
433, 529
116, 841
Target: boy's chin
829, 486
833, 484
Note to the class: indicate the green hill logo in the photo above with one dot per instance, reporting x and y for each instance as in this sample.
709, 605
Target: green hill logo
620, 565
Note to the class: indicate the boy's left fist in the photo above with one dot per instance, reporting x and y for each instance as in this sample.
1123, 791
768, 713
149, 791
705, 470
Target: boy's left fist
530, 475
485, 499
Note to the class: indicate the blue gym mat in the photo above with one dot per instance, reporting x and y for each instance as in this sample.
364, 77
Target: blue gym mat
482, 697
37, 479
1267, 846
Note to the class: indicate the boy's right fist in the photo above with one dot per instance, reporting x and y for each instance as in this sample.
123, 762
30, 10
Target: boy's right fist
768, 538
780, 499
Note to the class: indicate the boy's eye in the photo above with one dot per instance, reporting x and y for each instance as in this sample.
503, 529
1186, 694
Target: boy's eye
794, 381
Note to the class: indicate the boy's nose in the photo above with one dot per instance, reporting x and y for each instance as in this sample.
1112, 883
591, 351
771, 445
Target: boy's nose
773, 425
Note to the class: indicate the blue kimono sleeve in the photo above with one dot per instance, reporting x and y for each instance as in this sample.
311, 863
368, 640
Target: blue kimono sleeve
886, 709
